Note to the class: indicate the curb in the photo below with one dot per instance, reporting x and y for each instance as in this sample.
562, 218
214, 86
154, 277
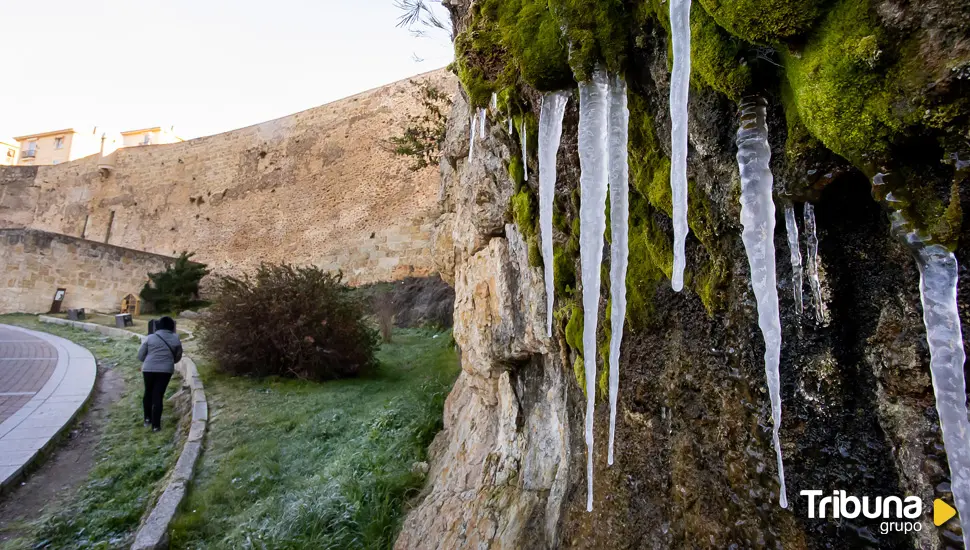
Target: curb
50, 390
153, 533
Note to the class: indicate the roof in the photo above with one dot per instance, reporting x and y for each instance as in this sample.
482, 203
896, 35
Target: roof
45, 134
143, 130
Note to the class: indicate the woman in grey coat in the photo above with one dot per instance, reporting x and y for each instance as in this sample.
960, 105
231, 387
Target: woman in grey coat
158, 354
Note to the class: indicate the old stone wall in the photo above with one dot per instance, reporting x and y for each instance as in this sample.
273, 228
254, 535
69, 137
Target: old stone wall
34, 264
318, 187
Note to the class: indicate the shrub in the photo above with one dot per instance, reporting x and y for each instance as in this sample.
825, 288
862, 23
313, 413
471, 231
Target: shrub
289, 321
425, 132
177, 288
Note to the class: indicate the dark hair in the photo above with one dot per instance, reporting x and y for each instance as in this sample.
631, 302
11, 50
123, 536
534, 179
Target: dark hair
167, 323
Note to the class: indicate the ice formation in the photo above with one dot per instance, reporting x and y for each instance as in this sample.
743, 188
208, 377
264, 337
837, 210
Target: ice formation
758, 219
811, 240
796, 256
494, 103
679, 82
471, 139
938, 278
525, 152
550, 132
619, 232
481, 116
593, 181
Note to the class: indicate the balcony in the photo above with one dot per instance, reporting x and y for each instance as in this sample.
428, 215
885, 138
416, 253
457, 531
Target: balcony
28, 154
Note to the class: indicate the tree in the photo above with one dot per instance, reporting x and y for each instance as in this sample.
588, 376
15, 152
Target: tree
177, 288
425, 132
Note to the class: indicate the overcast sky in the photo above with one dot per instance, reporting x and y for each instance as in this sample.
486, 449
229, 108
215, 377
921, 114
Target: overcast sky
205, 66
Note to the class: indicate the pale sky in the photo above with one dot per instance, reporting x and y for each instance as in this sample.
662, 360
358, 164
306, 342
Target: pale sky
204, 66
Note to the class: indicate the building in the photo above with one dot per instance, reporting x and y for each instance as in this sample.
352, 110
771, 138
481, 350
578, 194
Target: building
58, 146
149, 136
9, 149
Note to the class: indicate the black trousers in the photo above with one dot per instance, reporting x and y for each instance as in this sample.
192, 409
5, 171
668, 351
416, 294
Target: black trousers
155, 384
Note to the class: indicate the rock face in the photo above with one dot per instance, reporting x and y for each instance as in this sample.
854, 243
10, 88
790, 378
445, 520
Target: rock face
694, 461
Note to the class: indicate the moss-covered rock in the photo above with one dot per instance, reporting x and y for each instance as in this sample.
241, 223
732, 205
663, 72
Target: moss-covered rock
764, 21
717, 58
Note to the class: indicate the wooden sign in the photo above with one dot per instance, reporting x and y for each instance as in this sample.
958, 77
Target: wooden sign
58, 300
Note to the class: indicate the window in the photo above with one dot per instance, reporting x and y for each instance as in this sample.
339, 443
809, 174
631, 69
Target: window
58, 143
31, 149
147, 140
10, 153
55, 162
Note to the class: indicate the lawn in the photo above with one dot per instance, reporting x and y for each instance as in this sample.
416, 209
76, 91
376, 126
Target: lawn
130, 460
296, 464
185, 326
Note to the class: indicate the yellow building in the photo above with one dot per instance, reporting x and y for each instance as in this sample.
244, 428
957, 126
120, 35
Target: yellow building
58, 146
149, 136
9, 150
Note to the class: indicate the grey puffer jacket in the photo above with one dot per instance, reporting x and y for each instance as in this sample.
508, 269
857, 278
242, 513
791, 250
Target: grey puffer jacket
156, 356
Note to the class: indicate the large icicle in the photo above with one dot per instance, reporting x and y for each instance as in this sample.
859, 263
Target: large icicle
796, 256
679, 81
593, 182
938, 278
525, 152
811, 240
619, 233
481, 115
550, 132
471, 138
494, 103
758, 219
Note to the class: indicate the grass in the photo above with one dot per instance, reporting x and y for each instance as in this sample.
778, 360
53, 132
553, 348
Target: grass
140, 322
130, 460
295, 464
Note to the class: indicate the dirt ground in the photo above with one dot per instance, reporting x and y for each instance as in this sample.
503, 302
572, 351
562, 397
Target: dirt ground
68, 466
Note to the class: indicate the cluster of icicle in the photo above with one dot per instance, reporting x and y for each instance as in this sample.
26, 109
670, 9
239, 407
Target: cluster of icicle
481, 118
811, 264
758, 220
938, 294
603, 121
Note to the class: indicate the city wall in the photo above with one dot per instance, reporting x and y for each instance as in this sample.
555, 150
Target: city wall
96, 276
318, 187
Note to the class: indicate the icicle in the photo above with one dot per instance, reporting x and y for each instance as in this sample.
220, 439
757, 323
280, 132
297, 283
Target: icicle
494, 103
758, 219
679, 81
619, 232
510, 125
481, 116
938, 280
525, 152
471, 139
812, 249
593, 181
796, 256
550, 132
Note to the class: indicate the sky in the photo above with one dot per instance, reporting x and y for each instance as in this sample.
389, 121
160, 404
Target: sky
204, 66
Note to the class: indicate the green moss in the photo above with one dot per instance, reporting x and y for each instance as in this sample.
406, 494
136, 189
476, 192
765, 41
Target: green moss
764, 21
579, 371
564, 272
478, 57
595, 31
841, 95
716, 57
516, 172
574, 329
946, 228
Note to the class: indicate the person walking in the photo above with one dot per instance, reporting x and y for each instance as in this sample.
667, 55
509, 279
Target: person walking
158, 354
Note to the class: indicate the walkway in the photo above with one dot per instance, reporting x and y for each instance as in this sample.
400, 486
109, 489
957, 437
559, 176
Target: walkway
44, 382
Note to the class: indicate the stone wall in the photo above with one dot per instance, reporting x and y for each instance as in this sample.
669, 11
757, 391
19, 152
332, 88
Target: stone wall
320, 186
34, 264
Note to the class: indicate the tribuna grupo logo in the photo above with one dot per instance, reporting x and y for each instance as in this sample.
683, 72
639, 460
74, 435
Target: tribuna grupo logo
897, 514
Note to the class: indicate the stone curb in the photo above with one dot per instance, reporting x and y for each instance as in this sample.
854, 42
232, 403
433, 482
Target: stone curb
153, 533
53, 389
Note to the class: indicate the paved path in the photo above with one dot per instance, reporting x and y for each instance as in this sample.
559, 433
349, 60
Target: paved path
44, 381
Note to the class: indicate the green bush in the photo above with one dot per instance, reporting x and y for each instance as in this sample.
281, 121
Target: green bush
177, 288
289, 321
